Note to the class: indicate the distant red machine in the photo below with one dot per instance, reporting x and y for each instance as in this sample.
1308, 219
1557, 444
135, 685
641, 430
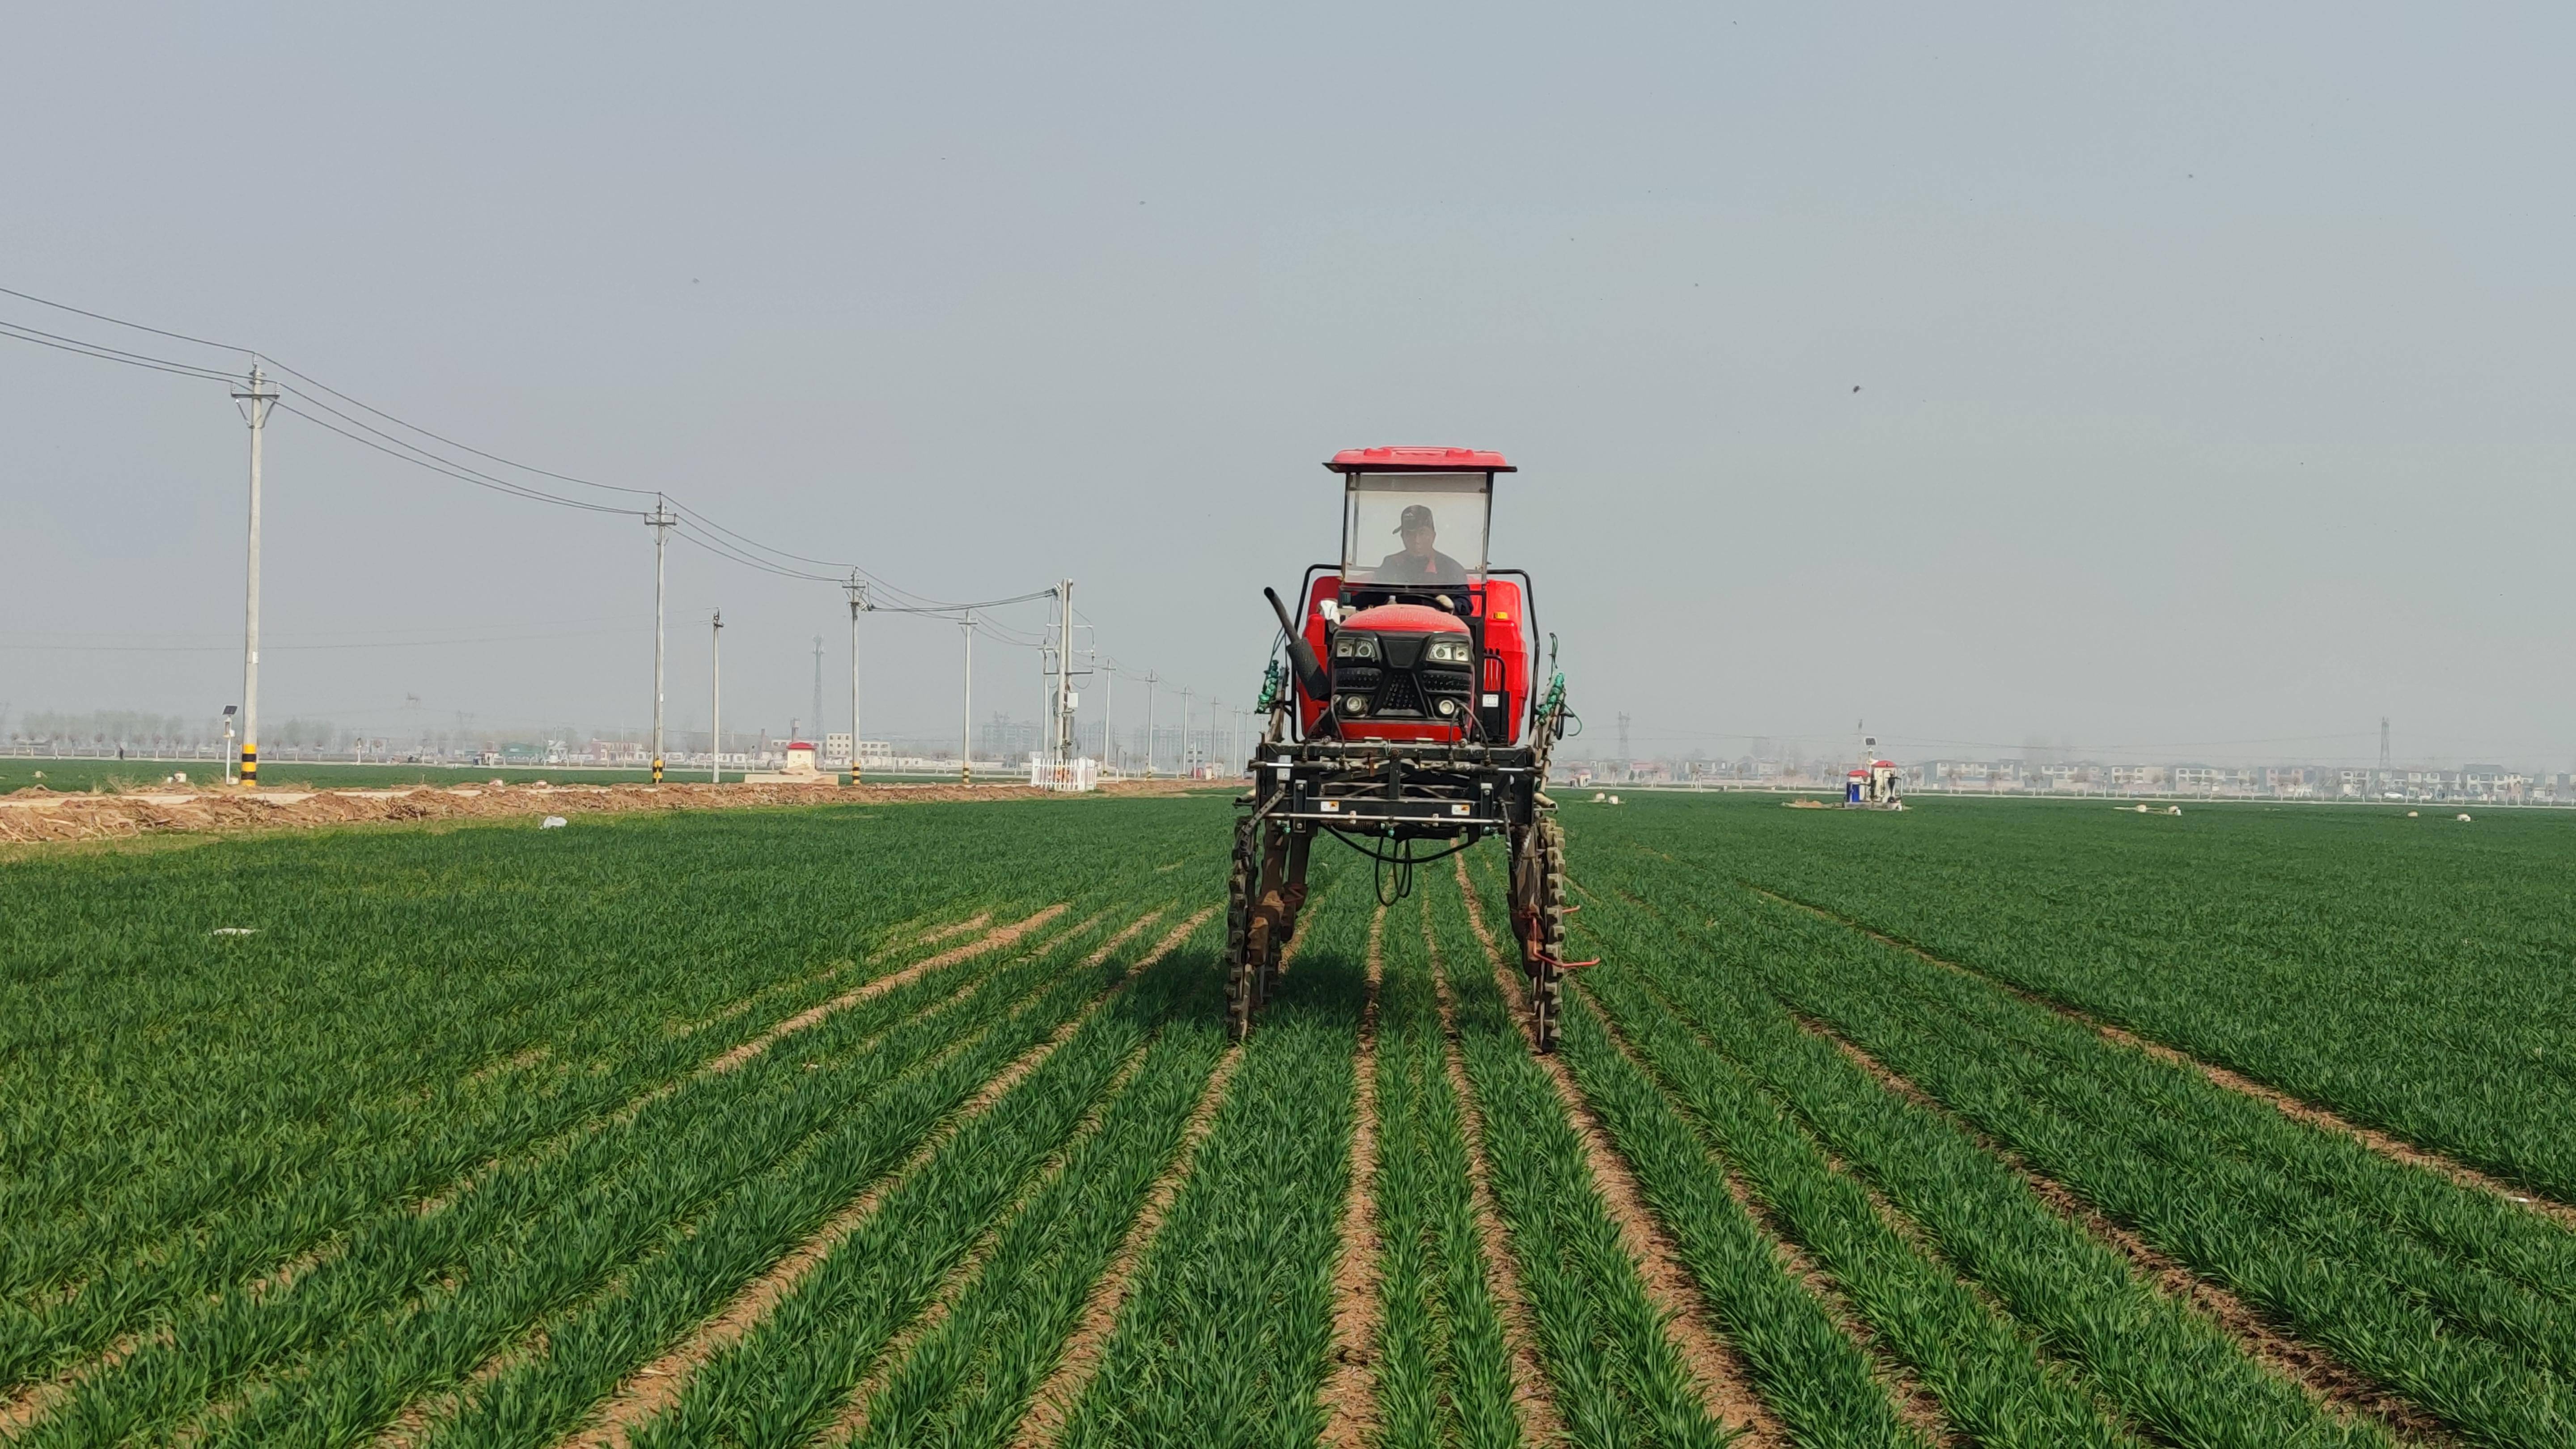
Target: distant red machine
1408, 710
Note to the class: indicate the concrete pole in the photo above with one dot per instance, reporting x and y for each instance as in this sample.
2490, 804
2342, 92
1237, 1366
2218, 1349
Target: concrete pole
1185, 734
1064, 671
1108, 713
858, 600
966, 709
660, 521
259, 395
715, 736
1152, 678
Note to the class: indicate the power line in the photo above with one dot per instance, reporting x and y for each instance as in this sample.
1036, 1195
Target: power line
109, 354
704, 531
413, 453
461, 475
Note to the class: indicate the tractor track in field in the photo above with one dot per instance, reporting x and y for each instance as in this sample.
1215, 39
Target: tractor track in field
2297, 1109
1915, 1404
654, 1388
1540, 1421
1718, 1374
2345, 1390
1349, 1392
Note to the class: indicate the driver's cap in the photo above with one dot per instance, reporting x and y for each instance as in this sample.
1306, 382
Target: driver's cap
1416, 515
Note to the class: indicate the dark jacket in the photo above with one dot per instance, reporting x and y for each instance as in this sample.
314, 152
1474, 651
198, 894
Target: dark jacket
1401, 567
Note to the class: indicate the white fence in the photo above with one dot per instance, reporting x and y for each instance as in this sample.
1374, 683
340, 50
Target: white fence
1049, 773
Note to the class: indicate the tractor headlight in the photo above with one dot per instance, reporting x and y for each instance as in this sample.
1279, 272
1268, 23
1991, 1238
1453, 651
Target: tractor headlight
1448, 651
1355, 646
1355, 704
1448, 706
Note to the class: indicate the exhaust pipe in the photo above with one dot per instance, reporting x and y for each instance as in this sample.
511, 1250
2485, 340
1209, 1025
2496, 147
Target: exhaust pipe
1301, 655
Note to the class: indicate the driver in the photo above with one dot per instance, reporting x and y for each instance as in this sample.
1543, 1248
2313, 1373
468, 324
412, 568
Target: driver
1418, 562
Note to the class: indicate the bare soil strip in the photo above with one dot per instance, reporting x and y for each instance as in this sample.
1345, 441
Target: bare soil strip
1051, 1408
933, 937
2395, 1149
37, 1400
519, 1062
2340, 1387
1349, 1394
655, 1387
1718, 1374
992, 940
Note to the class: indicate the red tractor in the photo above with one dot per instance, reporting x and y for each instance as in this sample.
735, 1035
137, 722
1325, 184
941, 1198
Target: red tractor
1408, 722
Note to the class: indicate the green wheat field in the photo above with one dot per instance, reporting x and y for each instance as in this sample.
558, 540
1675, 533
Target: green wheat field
2017, 1123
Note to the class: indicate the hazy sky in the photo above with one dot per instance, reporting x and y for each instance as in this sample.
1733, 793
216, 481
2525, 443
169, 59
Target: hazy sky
2211, 361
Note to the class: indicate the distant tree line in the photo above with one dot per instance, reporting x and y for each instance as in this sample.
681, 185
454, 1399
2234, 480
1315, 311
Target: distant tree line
108, 729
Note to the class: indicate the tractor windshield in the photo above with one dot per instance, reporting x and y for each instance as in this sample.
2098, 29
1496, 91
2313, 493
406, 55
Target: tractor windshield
1415, 528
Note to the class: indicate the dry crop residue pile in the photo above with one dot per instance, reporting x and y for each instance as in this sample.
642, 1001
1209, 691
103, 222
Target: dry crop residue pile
906, 1125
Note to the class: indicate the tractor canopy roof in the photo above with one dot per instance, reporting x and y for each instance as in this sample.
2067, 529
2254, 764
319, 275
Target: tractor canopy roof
1418, 460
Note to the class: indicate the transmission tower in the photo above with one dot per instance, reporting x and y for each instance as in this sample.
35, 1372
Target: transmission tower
1627, 762
2383, 752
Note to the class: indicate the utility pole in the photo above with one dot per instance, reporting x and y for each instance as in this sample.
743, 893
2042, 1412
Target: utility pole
858, 591
966, 709
259, 395
816, 718
2383, 753
1108, 712
1185, 734
660, 521
1152, 678
1064, 696
715, 736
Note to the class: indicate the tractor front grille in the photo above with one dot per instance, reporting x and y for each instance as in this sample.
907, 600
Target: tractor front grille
1401, 696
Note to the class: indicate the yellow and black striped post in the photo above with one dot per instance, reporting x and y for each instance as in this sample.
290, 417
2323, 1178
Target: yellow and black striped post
657, 769
250, 763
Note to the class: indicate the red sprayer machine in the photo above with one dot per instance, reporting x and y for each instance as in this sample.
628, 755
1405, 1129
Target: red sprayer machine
1409, 720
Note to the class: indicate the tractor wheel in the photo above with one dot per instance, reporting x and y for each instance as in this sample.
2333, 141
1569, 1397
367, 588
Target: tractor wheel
1242, 937
1547, 979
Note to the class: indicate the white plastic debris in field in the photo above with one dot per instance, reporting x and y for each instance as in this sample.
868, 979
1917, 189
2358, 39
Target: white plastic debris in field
551, 822
236, 930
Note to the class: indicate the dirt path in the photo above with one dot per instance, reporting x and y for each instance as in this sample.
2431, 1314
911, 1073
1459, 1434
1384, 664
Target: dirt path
2395, 1149
2345, 1390
1719, 1375
36, 814
1349, 1394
